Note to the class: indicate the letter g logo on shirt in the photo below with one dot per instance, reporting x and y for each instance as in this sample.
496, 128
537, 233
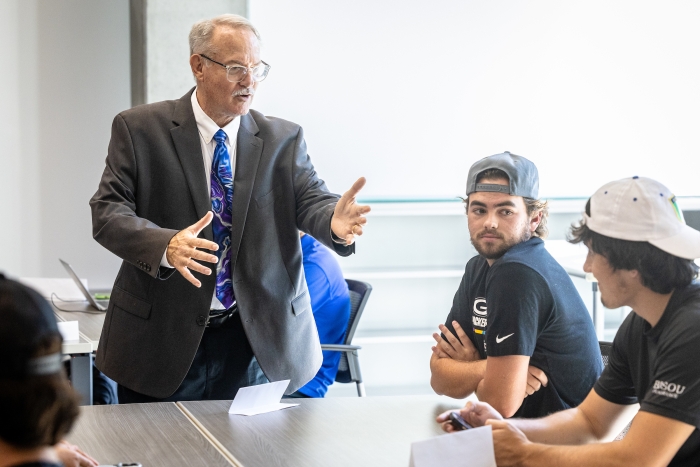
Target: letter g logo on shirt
480, 306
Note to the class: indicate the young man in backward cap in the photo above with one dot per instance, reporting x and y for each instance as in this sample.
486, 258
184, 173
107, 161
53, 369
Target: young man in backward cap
37, 404
641, 251
518, 333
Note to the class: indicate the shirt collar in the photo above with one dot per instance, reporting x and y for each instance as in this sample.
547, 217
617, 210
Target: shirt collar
206, 126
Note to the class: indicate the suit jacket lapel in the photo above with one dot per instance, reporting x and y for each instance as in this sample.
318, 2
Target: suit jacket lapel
248, 151
189, 150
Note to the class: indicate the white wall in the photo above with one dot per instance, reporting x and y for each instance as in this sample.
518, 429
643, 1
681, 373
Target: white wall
168, 25
410, 93
560, 82
17, 230
66, 74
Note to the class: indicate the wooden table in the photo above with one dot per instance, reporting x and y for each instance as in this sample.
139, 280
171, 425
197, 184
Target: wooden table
343, 431
156, 435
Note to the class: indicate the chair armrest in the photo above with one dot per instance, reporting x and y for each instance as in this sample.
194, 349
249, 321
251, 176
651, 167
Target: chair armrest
340, 347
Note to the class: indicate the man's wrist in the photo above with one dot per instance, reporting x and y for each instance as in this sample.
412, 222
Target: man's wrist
164, 260
532, 454
337, 239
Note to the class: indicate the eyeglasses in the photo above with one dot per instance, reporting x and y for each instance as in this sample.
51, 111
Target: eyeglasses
235, 73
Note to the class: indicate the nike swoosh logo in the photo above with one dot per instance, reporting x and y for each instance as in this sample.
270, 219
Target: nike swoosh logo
501, 339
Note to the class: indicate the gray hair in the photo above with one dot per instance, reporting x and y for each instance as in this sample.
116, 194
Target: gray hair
202, 31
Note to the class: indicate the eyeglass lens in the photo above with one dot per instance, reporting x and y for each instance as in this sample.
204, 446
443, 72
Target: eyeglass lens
237, 73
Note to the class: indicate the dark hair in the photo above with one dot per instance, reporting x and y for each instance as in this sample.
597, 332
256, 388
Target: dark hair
37, 410
532, 205
659, 271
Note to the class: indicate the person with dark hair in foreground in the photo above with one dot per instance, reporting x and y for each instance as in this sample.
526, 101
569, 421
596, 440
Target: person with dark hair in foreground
641, 252
37, 404
518, 333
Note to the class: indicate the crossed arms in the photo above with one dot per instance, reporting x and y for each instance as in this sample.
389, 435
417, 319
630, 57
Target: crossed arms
458, 370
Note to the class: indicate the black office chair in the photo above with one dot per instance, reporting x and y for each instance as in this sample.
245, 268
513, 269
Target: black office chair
349, 368
605, 348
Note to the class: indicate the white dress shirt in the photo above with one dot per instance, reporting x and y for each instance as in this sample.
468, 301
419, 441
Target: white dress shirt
207, 128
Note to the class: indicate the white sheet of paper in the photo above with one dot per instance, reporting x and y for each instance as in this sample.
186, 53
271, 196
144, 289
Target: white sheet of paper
262, 398
472, 447
69, 330
63, 288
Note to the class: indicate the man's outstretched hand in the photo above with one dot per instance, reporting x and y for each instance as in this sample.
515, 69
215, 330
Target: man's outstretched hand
183, 250
349, 217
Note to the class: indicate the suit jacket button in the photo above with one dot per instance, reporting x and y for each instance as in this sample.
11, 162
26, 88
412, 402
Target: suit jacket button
201, 320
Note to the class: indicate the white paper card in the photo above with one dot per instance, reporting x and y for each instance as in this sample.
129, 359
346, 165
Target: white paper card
472, 447
69, 330
65, 289
262, 398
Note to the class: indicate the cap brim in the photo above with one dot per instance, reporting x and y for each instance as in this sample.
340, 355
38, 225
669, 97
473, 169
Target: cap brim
685, 244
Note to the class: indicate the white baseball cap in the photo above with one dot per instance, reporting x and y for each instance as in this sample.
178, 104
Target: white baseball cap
640, 209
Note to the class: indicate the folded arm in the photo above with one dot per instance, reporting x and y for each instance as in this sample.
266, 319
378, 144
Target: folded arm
457, 370
456, 366
455, 378
505, 383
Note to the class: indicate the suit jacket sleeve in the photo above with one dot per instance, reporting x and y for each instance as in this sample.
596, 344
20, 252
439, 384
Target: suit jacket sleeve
315, 205
116, 224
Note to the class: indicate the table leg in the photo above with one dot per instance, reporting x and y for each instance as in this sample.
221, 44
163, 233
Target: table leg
81, 376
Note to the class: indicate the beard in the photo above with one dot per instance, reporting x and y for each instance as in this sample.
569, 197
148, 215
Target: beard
495, 251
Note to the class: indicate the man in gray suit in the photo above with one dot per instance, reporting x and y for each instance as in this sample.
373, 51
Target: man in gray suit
204, 180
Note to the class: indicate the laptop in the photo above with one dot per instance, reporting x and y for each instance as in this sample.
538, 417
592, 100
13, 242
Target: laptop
91, 300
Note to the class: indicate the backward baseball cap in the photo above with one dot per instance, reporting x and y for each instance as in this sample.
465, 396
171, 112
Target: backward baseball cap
26, 319
522, 175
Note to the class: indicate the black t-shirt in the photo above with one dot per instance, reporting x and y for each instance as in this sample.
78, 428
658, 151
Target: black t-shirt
659, 367
526, 304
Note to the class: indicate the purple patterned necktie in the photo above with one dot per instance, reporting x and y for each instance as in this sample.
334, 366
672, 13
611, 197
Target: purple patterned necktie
221, 197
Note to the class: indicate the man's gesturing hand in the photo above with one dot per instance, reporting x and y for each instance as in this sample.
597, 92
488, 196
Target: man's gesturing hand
349, 217
182, 250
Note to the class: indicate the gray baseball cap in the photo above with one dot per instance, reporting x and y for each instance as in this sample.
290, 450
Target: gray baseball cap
522, 173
